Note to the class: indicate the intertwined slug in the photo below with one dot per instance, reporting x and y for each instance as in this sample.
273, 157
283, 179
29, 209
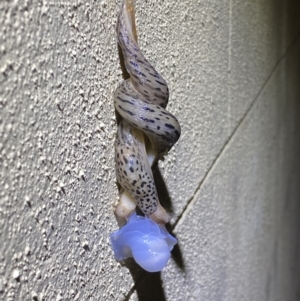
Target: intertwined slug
146, 131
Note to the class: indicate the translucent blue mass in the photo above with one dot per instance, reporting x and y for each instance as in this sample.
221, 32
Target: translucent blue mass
144, 240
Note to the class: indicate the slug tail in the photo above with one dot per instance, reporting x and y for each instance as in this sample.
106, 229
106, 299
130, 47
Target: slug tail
160, 215
125, 206
129, 14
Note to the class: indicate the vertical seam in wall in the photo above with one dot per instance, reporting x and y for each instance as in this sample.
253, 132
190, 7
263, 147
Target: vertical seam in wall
194, 197
131, 291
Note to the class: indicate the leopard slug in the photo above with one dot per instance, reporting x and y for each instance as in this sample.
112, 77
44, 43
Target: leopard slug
147, 131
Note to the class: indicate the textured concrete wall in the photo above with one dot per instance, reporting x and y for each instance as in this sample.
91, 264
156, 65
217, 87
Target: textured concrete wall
231, 183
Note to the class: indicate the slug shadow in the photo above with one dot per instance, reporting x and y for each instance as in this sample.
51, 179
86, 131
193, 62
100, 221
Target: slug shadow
165, 199
149, 286
162, 190
125, 74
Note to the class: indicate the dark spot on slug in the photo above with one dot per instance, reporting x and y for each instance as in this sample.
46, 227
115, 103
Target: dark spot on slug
124, 100
133, 63
154, 75
170, 126
141, 73
148, 109
126, 111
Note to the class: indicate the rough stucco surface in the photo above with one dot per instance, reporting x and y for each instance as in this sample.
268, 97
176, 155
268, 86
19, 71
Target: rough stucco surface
233, 70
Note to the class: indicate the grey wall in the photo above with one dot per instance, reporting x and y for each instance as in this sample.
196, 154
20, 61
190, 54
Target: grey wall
231, 182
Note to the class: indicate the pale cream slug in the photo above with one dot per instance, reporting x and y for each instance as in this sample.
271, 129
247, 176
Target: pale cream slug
147, 131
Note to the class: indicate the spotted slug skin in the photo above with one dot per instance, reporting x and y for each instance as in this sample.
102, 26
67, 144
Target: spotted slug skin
147, 130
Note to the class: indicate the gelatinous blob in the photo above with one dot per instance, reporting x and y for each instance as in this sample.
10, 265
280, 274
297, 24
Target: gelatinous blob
144, 240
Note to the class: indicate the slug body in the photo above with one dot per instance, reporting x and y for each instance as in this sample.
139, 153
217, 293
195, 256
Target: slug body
147, 131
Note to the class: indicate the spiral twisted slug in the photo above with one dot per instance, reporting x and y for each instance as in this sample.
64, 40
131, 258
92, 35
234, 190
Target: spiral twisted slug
147, 131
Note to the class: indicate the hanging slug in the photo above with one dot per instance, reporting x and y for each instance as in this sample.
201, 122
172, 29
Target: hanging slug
147, 131
145, 134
